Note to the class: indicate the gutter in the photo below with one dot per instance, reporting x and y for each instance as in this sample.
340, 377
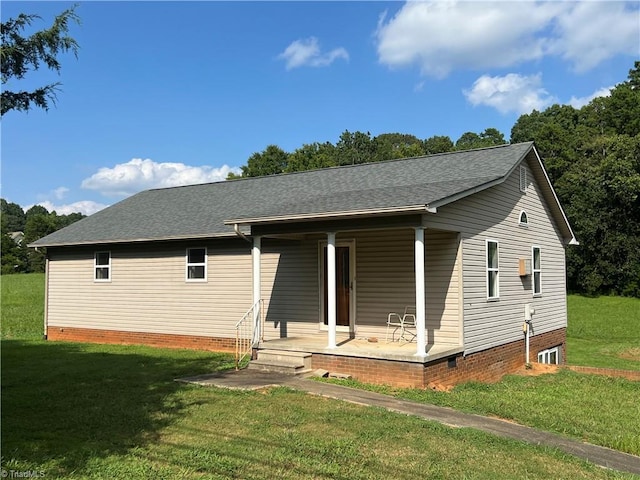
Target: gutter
131, 240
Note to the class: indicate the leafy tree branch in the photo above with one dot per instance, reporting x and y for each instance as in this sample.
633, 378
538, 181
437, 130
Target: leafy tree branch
21, 54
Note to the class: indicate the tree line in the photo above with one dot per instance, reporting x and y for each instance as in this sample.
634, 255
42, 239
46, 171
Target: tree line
35, 223
353, 148
592, 156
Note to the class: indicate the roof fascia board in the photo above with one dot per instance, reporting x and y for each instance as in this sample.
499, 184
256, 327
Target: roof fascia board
571, 238
433, 207
135, 240
329, 215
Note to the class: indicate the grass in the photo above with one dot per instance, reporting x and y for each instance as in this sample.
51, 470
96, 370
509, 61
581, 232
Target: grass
22, 313
101, 411
592, 408
104, 411
604, 332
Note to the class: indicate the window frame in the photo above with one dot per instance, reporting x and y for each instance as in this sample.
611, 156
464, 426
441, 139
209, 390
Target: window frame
537, 292
489, 270
101, 266
545, 356
196, 264
526, 218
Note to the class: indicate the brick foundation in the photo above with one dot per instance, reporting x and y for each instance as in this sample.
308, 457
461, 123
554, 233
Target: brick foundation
162, 340
485, 366
369, 370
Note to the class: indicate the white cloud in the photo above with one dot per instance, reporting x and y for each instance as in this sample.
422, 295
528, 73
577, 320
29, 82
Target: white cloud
441, 36
591, 32
582, 101
86, 207
510, 93
306, 52
60, 192
137, 174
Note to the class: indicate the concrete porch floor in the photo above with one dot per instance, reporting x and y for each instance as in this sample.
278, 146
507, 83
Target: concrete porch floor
357, 347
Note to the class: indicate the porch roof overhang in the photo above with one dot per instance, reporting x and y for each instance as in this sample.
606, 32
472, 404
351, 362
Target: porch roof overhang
338, 215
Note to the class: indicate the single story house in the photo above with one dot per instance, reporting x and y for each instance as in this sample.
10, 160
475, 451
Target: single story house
471, 243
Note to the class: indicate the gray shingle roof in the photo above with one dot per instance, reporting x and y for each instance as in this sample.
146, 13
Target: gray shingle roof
198, 211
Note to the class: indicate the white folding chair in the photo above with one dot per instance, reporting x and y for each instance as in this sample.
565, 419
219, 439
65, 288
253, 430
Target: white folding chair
403, 322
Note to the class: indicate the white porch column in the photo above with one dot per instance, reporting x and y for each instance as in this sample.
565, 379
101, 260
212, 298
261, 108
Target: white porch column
421, 338
255, 259
331, 289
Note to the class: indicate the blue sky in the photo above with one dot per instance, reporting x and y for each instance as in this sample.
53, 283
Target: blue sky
172, 93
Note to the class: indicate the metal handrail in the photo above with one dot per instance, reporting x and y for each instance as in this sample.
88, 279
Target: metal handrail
246, 334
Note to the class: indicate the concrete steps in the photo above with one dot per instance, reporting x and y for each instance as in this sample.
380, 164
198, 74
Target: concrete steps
281, 361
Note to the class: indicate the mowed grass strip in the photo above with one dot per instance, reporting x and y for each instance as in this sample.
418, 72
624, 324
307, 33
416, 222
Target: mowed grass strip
604, 332
106, 411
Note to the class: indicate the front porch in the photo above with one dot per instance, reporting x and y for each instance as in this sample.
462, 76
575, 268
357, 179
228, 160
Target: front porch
393, 363
347, 346
331, 294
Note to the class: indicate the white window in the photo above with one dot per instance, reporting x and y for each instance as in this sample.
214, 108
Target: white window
102, 267
551, 356
196, 264
523, 179
523, 219
493, 285
536, 270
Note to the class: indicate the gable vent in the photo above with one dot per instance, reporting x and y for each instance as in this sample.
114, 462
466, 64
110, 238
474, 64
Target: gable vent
523, 178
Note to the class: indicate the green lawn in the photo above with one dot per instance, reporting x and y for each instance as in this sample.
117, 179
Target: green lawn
22, 310
596, 409
105, 411
604, 332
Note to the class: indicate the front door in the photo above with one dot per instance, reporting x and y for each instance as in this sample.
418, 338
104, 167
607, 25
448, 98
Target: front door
344, 286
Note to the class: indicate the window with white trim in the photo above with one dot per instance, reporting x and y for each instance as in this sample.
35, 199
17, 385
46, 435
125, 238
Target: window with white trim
536, 270
523, 220
550, 356
493, 285
196, 265
102, 267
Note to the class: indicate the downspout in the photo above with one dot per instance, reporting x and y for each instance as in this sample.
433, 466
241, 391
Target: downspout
526, 327
236, 228
46, 296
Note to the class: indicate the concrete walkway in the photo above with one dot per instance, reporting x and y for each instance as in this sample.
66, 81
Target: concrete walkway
253, 380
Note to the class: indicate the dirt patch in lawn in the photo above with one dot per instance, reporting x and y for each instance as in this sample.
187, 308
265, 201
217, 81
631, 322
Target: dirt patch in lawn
631, 354
535, 369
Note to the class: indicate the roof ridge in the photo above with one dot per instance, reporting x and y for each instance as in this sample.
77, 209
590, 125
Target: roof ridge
335, 167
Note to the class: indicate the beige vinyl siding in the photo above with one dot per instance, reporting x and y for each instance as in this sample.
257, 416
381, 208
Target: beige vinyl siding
443, 288
148, 291
385, 281
494, 214
289, 277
